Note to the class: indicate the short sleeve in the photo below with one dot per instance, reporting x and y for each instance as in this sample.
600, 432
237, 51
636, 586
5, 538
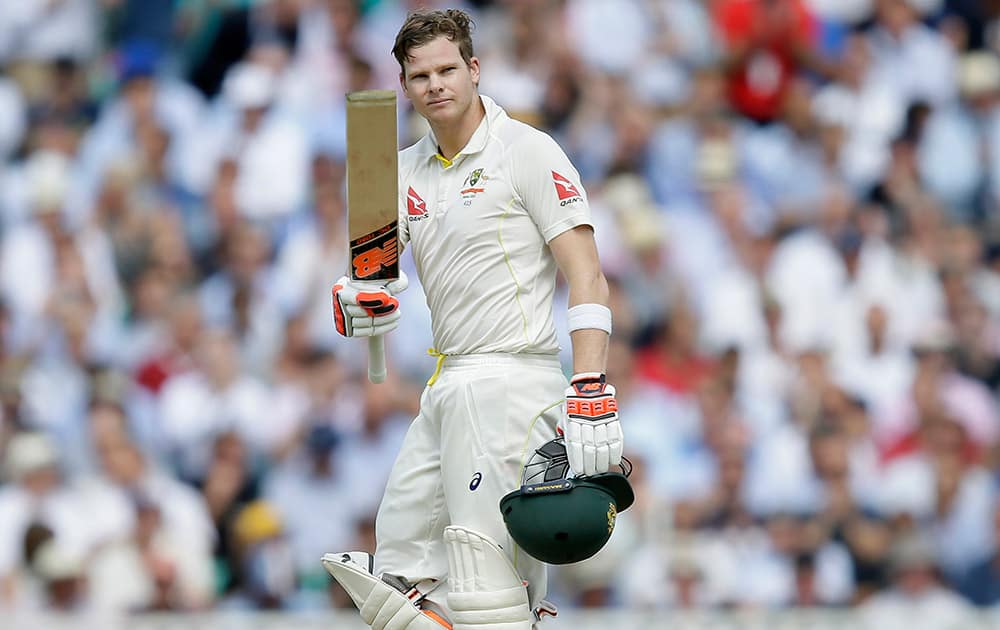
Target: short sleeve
548, 185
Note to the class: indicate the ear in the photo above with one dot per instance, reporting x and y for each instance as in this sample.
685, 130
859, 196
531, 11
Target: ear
474, 70
402, 84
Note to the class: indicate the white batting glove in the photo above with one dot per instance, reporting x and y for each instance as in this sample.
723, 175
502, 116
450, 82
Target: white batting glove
590, 425
367, 308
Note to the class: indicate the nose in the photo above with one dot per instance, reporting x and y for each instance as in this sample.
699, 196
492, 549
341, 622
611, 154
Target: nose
435, 84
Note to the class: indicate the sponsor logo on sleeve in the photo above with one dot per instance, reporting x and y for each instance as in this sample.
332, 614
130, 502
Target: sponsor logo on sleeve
565, 189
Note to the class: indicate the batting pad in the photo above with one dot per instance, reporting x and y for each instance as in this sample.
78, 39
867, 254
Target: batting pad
486, 589
382, 607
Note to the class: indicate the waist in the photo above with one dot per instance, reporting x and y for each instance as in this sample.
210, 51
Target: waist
500, 358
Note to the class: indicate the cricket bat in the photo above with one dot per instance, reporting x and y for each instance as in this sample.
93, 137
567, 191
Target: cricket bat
372, 198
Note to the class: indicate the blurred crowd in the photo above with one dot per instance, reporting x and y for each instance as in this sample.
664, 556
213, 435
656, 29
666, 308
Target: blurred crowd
797, 204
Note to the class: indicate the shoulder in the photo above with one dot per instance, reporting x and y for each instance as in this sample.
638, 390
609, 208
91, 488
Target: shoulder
412, 155
525, 145
411, 152
523, 137
409, 155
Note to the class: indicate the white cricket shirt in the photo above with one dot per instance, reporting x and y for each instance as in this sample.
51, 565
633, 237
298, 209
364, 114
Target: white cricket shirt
479, 225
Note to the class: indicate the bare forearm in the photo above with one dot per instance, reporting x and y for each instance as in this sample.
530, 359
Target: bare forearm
590, 345
590, 351
576, 254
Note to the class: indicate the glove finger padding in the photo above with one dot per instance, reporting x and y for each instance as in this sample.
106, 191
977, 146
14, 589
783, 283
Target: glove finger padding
589, 459
589, 448
574, 445
364, 309
360, 313
603, 451
377, 303
374, 327
615, 444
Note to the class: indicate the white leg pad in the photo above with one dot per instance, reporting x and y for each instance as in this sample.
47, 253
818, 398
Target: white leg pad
382, 606
485, 588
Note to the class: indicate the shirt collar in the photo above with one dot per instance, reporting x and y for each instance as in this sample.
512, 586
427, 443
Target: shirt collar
476, 143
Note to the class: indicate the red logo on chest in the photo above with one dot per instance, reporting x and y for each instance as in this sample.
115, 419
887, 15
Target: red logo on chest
415, 206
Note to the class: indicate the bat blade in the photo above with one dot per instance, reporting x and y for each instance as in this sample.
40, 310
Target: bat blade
372, 198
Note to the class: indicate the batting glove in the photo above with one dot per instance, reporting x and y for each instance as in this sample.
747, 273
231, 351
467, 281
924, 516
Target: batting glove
590, 425
363, 308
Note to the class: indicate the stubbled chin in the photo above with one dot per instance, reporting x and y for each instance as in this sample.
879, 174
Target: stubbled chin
443, 112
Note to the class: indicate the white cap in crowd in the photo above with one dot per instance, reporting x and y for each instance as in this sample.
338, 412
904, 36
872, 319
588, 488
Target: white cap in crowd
27, 453
249, 86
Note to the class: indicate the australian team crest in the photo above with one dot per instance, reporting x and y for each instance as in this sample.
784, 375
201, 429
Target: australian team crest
473, 185
473, 178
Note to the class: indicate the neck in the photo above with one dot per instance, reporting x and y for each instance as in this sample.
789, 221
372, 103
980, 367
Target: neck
451, 138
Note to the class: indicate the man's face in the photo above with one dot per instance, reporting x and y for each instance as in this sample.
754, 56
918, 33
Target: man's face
441, 86
140, 95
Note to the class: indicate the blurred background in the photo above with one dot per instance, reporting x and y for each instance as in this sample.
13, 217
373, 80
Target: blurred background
798, 209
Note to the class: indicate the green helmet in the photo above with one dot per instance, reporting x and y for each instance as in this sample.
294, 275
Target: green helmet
559, 519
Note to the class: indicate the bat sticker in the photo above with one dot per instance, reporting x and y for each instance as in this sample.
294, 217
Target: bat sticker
375, 256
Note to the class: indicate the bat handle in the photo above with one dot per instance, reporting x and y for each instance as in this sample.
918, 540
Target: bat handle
376, 359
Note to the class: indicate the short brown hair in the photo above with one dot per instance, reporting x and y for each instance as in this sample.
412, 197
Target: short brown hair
422, 27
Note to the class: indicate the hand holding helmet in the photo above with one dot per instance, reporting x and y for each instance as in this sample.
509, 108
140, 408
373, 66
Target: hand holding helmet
560, 519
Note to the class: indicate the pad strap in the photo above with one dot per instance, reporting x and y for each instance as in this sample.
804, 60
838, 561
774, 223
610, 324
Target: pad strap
591, 315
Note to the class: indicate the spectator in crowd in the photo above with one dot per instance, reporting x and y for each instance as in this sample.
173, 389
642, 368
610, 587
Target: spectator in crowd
34, 496
958, 134
308, 496
236, 29
917, 598
231, 482
265, 560
917, 60
151, 569
64, 582
869, 111
981, 582
767, 43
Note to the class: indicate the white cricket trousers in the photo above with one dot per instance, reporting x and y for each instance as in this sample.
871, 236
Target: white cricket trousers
478, 424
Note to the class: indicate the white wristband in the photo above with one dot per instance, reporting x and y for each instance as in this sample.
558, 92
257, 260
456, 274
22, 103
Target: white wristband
595, 316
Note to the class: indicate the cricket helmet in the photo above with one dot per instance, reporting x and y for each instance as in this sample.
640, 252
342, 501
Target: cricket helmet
560, 519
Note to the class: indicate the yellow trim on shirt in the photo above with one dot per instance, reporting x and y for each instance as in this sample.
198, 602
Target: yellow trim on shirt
437, 369
510, 268
445, 162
